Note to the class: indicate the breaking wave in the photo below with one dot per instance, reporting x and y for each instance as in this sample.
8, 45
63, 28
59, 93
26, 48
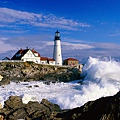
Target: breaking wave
102, 78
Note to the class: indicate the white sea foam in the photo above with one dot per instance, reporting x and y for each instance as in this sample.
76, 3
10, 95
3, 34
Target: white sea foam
102, 79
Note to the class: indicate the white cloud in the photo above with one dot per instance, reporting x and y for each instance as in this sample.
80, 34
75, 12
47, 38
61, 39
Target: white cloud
66, 45
114, 35
5, 47
108, 46
3, 38
14, 31
75, 46
10, 16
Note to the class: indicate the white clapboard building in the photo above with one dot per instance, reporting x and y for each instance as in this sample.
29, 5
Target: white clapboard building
27, 55
32, 56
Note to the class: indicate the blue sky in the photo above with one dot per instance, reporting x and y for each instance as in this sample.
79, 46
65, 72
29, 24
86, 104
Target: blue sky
87, 27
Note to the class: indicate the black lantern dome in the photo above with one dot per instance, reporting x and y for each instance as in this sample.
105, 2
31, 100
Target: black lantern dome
57, 35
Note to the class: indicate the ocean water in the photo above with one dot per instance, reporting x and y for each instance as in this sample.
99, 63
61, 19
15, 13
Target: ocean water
102, 78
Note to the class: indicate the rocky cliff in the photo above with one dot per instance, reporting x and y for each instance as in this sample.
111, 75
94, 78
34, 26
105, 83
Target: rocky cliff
29, 71
106, 108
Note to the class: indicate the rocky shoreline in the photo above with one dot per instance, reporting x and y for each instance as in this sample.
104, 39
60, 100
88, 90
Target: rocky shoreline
29, 71
106, 108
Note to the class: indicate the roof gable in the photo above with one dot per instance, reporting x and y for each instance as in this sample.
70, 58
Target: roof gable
19, 54
27, 53
35, 52
22, 52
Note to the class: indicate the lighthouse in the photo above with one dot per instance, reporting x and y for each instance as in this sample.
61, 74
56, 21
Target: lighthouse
57, 54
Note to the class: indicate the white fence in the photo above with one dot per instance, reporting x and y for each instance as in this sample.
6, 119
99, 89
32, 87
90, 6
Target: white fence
11, 61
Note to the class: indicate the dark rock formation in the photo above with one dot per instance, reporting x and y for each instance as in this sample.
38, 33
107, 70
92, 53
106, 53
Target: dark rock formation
14, 109
27, 71
106, 108
14, 102
5, 81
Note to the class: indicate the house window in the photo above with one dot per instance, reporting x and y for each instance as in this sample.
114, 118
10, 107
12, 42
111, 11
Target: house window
18, 55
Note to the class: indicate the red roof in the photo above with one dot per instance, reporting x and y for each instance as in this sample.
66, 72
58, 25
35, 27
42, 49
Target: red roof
35, 52
71, 59
43, 58
20, 53
51, 59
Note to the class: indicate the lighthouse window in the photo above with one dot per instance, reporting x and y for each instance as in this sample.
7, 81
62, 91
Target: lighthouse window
59, 54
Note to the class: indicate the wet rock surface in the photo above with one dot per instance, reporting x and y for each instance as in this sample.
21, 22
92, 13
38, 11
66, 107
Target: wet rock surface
106, 108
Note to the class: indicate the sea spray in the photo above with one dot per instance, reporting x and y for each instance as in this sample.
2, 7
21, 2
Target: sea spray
102, 76
96, 70
101, 79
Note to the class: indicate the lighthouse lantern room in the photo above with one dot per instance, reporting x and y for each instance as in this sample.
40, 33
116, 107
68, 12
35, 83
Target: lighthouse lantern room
57, 35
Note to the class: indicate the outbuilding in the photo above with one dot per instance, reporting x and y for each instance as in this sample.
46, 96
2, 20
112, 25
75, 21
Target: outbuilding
70, 61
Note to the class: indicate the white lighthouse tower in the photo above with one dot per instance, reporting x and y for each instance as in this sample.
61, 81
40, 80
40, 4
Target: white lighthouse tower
57, 55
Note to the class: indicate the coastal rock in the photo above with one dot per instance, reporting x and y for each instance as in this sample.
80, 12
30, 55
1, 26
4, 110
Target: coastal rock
1, 77
26, 71
0, 105
51, 106
18, 114
5, 81
14, 102
80, 67
64, 75
14, 109
106, 108
1, 117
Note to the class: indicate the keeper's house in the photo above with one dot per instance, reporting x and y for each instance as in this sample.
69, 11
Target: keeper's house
70, 61
32, 56
27, 55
